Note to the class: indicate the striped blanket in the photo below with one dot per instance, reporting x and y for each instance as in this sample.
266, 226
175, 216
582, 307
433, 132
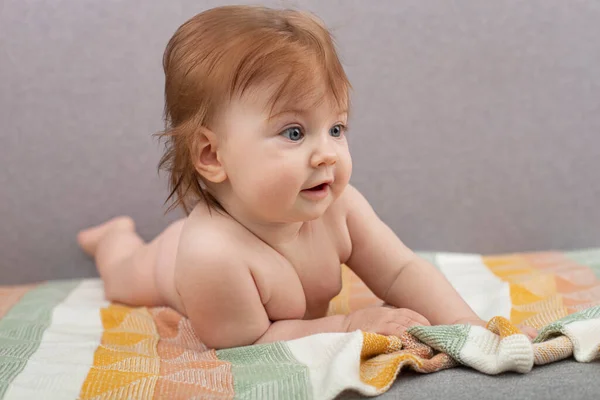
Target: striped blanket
61, 340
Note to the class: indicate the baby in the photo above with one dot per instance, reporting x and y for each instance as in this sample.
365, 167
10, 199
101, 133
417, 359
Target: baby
256, 107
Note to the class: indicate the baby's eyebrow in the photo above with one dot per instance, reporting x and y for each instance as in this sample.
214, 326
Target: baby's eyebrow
288, 111
299, 111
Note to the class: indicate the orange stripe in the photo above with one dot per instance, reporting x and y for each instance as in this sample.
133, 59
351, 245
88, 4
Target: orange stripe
188, 369
544, 286
383, 357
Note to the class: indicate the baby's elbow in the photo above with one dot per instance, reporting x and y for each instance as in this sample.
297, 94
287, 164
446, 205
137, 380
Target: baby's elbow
227, 336
222, 343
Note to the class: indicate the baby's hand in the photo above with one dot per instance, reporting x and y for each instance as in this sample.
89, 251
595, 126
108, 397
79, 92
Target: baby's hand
529, 331
384, 320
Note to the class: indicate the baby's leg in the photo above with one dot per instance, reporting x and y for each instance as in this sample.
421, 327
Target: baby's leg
125, 263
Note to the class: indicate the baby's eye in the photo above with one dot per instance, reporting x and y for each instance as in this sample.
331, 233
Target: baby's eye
337, 130
294, 133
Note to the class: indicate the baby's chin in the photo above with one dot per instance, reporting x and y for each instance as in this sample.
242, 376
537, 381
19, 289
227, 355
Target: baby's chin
312, 212
293, 210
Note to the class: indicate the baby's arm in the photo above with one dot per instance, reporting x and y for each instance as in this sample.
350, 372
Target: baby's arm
219, 297
396, 274
224, 305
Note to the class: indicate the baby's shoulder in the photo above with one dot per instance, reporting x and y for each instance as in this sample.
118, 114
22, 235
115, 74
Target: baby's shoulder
209, 234
350, 200
346, 208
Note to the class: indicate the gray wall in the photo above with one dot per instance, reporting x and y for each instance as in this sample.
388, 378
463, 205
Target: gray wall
476, 124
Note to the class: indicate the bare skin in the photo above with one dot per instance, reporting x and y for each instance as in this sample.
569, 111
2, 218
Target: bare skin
302, 291
127, 265
292, 284
266, 268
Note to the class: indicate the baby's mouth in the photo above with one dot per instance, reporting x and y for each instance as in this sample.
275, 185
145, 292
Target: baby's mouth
317, 192
317, 188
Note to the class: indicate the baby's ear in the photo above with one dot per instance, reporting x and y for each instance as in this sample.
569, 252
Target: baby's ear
205, 156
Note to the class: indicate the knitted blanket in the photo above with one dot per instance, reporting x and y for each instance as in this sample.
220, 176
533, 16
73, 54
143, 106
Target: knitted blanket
61, 340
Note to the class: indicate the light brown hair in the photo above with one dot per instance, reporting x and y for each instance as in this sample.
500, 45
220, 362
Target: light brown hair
223, 52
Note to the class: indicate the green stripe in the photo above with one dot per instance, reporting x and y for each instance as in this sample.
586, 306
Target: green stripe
589, 258
21, 329
558, 327
448, 339
267, 371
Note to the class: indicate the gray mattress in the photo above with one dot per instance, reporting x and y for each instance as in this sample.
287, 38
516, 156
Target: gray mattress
567, 379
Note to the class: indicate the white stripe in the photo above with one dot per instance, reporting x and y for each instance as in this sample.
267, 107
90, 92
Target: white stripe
487, 294
60, 365
585, 336
487, 352
333, 360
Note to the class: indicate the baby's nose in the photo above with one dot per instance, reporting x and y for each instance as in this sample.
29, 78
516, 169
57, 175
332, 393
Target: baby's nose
324, 157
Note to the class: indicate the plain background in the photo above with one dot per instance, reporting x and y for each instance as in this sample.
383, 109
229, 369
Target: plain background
475, 127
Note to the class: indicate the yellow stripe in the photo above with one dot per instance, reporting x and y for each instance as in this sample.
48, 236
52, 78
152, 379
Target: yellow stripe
340, 304
503, 327
381, 371
533, 292
126, 364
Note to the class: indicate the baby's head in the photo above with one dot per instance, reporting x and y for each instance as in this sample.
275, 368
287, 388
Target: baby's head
256, 106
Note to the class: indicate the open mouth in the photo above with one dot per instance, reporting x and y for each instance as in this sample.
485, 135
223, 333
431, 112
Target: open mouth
318, 192
322, 186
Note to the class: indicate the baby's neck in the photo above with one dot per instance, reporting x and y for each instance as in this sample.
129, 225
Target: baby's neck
273, 234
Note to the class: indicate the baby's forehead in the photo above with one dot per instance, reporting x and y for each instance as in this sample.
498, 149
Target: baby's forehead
316, 101
296, 91
324, 108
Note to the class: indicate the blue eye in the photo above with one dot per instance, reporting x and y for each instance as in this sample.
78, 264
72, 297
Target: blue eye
337, 130
294, 134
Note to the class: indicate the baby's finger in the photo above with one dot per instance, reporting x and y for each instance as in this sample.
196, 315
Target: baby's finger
415, 316
398, 328
411, 320
529, 331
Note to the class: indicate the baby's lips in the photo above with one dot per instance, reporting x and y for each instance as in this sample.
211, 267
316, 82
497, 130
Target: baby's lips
319, 183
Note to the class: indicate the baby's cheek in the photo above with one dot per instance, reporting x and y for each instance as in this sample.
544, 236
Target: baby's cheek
344, 170
275, 185
284, 184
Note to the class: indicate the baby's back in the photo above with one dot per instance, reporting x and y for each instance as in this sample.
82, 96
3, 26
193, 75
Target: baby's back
164, 272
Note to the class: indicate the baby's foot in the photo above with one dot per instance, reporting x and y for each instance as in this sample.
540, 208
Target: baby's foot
88, 239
